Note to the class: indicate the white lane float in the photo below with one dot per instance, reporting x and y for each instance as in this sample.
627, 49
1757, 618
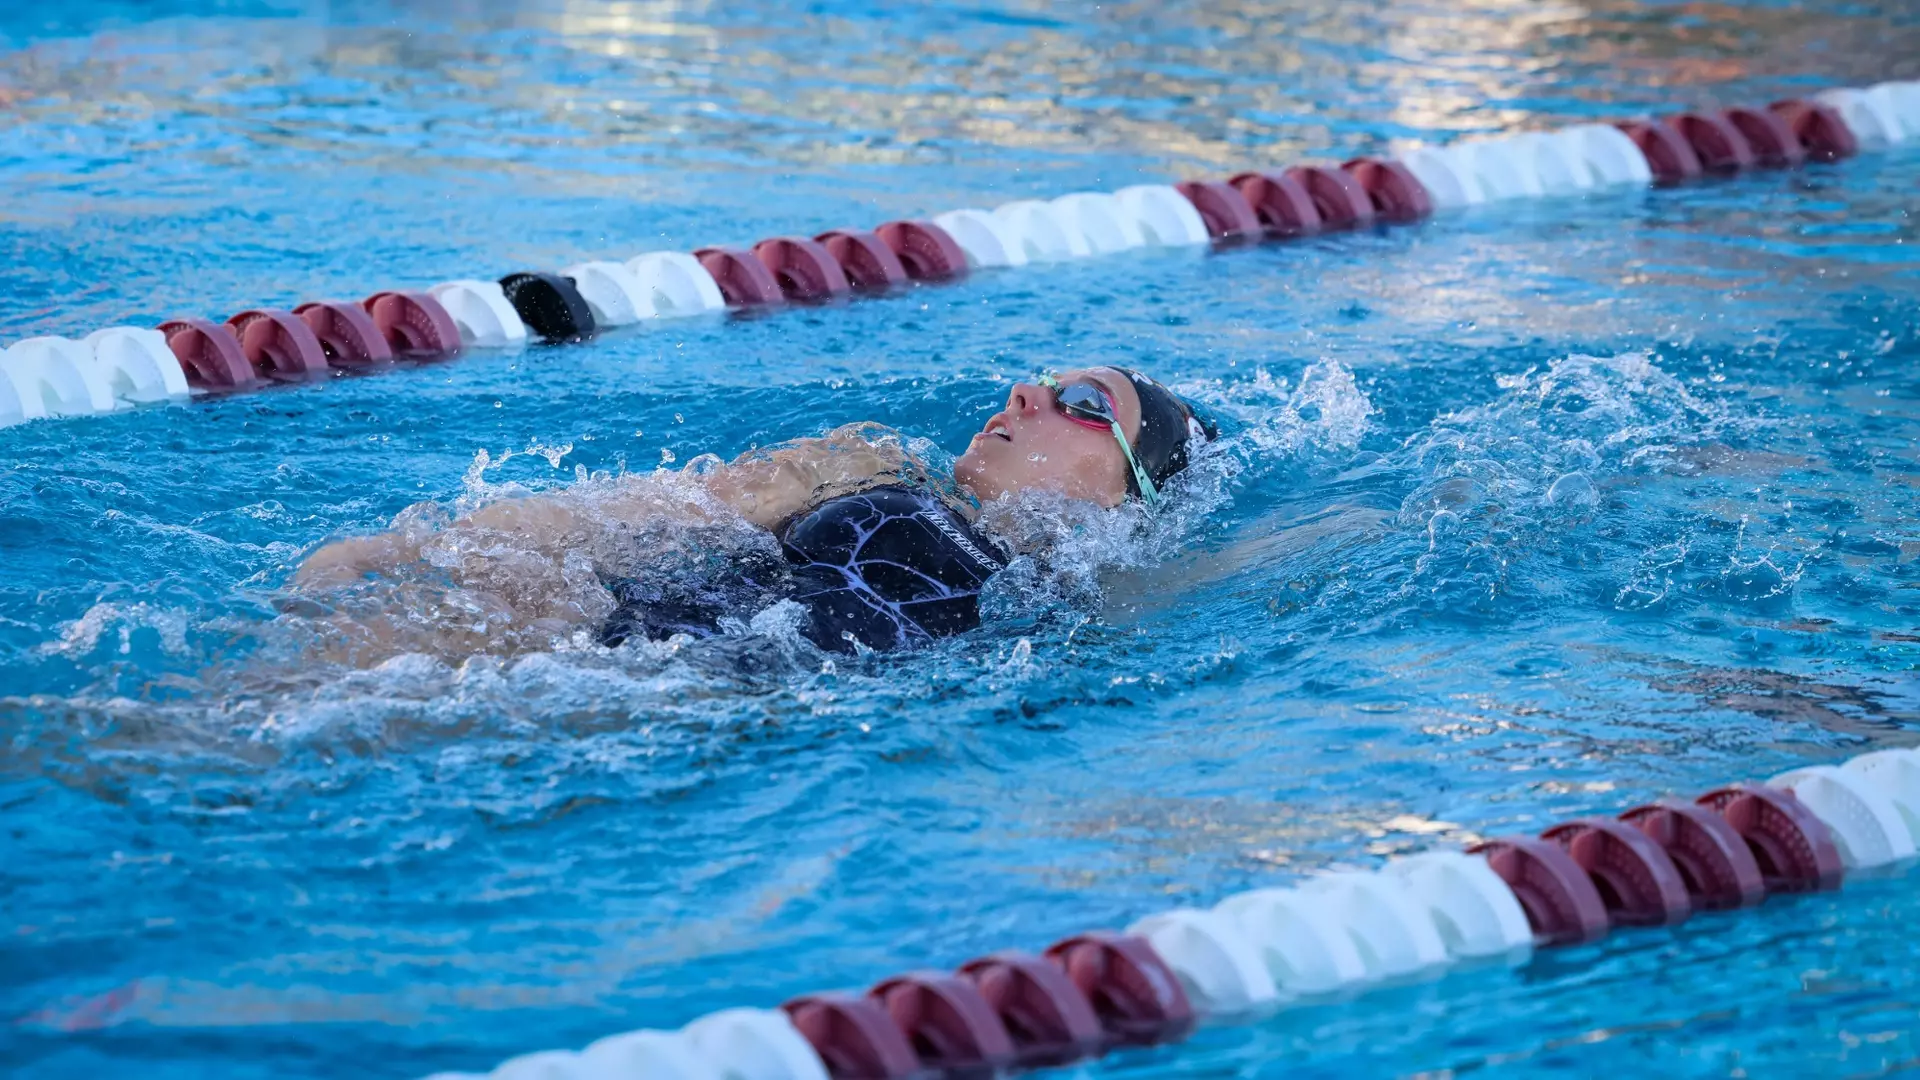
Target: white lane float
676, 284
655, 1055
1886, 101
1450, 182
1560, 168
544, 1065
17, 406
986, 242
1866, 826
136, 364
754, 1044
1870, 117
1037, 229
1394, 934
1502, 166
1303, 942
1904, 98
612, 291
1474, 911
60, 373
1163, 215
1100, 221
481, 310
1609, 155
1222, 970
1895, 774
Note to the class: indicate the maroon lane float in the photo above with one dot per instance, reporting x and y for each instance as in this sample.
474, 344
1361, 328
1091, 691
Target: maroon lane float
1282, 205
925, 249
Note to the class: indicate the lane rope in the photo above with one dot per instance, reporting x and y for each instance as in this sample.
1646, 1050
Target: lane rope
1657, 864
119, 367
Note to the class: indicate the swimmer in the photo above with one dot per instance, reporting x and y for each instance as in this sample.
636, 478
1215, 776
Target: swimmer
877, 551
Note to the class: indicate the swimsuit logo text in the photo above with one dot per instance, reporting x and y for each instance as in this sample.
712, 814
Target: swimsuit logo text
939, 521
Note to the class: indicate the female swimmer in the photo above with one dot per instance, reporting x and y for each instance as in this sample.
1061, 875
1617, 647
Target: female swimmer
874, 549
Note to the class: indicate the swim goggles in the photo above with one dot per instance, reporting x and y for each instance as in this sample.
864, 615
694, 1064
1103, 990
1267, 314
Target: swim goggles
1088, 405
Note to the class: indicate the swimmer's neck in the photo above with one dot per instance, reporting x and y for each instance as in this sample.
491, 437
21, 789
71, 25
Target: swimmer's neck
968, 505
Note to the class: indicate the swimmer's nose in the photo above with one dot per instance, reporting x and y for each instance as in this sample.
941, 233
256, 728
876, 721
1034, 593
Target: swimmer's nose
1026, 399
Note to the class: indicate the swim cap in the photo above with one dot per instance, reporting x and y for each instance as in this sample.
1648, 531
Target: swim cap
1167, 425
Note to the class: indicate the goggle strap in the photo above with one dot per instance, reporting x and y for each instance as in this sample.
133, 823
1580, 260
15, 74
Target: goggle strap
1148, 493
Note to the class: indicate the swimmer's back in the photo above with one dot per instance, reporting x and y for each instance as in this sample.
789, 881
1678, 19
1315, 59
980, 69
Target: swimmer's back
888, 568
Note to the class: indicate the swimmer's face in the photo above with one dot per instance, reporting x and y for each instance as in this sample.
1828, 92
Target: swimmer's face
1032, 445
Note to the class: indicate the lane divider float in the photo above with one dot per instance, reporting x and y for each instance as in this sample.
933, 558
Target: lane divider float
52, 376
1654, 865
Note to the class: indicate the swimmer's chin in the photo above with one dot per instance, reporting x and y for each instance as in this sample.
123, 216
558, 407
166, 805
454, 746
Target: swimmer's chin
975, 476
970, 471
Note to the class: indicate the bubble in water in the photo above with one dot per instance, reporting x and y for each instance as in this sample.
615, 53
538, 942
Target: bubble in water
1572, 489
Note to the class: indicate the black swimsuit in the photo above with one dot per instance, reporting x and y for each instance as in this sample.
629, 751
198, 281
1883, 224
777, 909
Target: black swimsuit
888, 568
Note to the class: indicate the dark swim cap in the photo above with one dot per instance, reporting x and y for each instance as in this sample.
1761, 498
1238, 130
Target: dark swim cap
1167, 425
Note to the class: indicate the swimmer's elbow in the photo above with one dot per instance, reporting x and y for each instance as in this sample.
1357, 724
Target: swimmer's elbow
346, 561
765, 492
529, 515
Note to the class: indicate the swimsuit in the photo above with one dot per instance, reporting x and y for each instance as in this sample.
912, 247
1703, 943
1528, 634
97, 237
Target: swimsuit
889, 568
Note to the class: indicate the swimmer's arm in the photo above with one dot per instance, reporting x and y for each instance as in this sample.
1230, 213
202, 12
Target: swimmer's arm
545, 522
765, 487
768, 487
349, 560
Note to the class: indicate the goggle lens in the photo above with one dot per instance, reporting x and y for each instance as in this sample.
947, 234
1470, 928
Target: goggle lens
1085, 403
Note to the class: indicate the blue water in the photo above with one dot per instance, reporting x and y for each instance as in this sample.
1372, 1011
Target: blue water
1528, 513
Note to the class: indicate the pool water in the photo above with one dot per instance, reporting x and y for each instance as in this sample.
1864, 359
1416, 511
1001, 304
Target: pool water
1525, 513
